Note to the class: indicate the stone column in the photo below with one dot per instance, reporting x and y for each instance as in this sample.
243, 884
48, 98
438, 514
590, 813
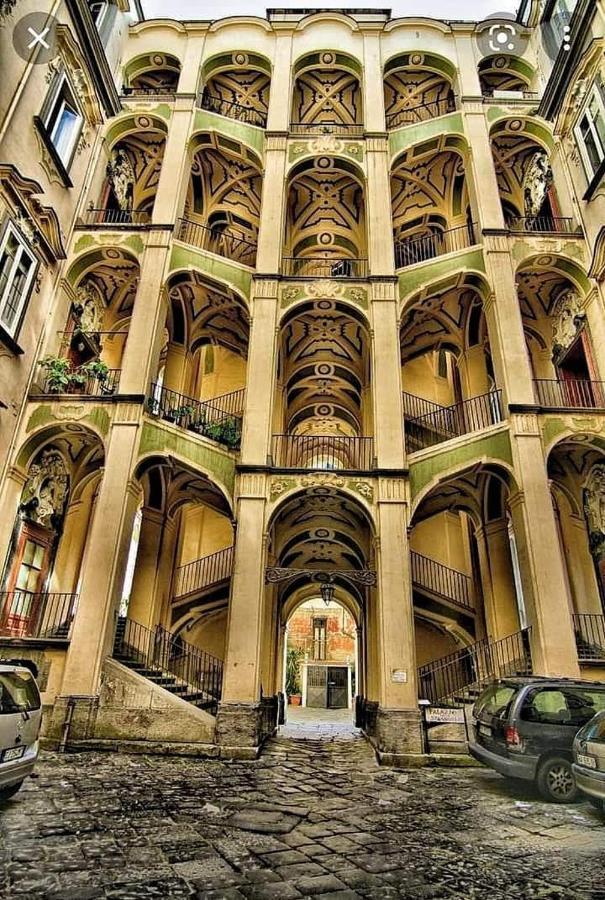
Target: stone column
580, 565
271, 227
141, 607
487, 206
386, 376
379, 220
595, 316
502, 613
68, 560
176, 163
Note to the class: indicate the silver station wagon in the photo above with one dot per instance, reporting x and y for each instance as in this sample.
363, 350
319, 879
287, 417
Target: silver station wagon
20, 718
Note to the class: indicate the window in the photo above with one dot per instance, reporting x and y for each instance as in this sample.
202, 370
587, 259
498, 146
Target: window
63, 122
31, 568
590, 132
569, 706
97, 11
17, 268
319, 638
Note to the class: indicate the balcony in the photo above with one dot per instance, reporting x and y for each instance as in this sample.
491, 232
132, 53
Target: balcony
43, 615
573, 394
246, 114
338, 129
543, 225
447, 422
229, 244
421, 113
119, 218
590, 637
324, 267
410, 251
79, 382
442, 581
215, 419
323, 452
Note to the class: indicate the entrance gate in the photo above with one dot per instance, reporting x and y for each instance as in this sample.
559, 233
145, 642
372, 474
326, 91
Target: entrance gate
327, 687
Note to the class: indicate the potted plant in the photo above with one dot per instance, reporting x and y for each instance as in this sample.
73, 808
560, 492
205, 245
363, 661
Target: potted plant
59, 375
176, 413
293, 661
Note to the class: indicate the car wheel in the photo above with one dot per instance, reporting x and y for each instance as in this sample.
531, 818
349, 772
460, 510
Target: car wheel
555, 780
7, 792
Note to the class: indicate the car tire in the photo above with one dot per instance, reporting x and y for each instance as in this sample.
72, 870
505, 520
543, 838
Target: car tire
555, 780
7, 792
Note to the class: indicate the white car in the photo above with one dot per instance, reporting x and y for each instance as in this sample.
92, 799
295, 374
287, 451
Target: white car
20, 719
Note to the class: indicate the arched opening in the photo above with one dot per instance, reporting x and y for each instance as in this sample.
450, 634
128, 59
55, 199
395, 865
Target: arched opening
238, 86
417, 87
503, 76
153, 74
327, 96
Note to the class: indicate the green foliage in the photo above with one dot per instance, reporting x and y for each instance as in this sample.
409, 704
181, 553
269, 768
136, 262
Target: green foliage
95, 369
293, 660
60, 376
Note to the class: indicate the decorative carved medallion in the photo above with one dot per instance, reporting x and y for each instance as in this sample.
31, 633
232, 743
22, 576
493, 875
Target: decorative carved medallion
45, 492
122, 177
567, 319
594, 508
536, 182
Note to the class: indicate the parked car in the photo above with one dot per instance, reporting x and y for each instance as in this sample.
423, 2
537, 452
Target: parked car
589, 760
525, 728
20, 719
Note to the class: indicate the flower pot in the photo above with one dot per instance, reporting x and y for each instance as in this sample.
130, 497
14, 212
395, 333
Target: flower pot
295, 699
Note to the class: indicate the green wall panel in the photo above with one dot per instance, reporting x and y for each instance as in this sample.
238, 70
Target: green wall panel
409, 135
159, 439
240, 131
494, 446
222, 269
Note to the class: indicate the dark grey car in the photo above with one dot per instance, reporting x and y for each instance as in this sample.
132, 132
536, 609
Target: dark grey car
525, 728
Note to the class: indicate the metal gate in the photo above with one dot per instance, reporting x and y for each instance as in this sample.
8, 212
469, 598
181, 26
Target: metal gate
338, 687
316, 686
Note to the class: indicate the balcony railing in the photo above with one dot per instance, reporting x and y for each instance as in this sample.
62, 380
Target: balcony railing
441, 580
319, 451
410, 251
542, 224
155, 93
324, 267
454, 678
162, 652
85, 385
421, 112
27, 614
573, 394
203, 572
232, 110
225, 243
590, 637
342, 129
100, 216
414, 407
452, 421
199, 416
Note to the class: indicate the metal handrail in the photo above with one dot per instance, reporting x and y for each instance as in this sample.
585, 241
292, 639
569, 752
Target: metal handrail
346, 129
232, 110
200, 416
223, 242
322, 451
577, 393
455, 677
324, 267
161, 651
589, 631
414, 250
414, 407
203, 572
442, 580
91, 387
148, 92
421, 112
542, 224
98, 215
449, 422
37, 614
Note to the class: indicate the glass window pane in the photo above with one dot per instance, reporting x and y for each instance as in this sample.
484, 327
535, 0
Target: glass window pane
64, 131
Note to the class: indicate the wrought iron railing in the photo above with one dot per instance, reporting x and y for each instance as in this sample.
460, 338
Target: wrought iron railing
452, 421
344, 129
542, 224
414, 407
199, 416
168, 93
421, 112
203, 572
102, 216
441, 580
457, 677
410, 251
160, 651
322, 451
578, 393
37, 614
232, 110
104, 385
324, 267
269, 712
590, 637
220, 241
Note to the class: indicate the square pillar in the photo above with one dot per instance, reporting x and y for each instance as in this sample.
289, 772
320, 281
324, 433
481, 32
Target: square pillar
386, 376
261, 374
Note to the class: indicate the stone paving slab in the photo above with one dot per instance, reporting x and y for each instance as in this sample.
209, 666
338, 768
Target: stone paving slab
311, 818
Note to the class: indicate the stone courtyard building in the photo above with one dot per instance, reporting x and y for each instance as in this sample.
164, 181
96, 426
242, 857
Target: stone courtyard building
298, 307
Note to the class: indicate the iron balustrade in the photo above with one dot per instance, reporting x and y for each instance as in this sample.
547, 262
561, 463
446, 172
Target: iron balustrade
589, 630
542, 224
90, 386
200, 416
161, 651
164, 93
452, 421
414, 407
576, 393
442, 580
324, 267
97, 215
421, 112
230, 244
232, 110
454, 678
410, 251
231, 403
203, 572
322, 451
37, 614
344, 129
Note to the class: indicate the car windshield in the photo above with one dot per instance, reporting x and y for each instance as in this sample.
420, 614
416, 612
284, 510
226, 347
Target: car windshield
18, 693
495, 700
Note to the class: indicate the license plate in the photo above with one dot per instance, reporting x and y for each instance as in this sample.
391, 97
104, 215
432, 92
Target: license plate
13, 753
485, 730
588, 761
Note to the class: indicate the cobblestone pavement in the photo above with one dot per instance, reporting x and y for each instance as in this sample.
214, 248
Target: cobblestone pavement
310, 819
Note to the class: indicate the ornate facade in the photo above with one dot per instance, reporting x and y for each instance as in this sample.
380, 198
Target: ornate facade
290, 307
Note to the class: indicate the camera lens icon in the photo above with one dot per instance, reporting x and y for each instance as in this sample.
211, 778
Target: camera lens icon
501, 35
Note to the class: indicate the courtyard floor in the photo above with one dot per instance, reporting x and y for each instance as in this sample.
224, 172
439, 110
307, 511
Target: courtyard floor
312, 818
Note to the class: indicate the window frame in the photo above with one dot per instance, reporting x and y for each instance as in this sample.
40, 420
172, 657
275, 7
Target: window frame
24, 247
594, 93
63, 85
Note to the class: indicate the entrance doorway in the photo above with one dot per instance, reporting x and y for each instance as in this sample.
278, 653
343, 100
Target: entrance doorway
327, 687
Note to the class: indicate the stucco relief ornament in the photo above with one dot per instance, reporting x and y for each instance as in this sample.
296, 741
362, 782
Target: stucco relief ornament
326, 143
594, 508
324, 288
45, 491
567, 317
538, 179
121, 174
88, 309
6, 8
